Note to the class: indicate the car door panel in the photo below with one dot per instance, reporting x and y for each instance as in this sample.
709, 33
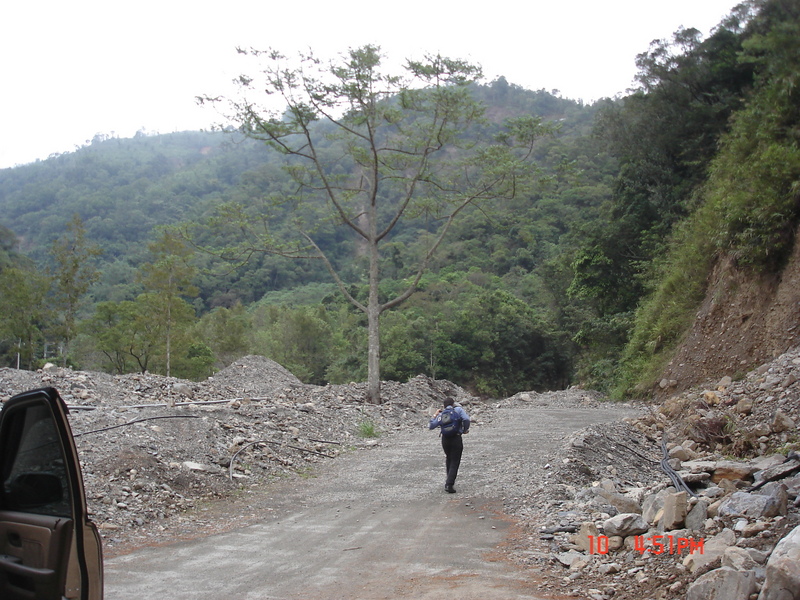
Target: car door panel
48, 547
34, 554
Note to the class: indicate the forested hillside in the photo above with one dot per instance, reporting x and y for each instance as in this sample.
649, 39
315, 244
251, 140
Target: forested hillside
592, 275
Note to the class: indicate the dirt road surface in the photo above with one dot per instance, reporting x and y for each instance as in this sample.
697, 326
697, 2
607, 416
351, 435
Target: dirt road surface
373, 524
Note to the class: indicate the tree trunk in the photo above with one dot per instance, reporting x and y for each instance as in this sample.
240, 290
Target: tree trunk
373, 314
373, 351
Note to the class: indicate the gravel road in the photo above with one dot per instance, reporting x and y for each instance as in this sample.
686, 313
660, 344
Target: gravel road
374, 524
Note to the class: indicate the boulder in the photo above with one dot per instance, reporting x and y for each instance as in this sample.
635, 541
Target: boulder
652, 505
183, 389
744, 504
713, 549
782, 422
623, 504
699, 466
723, 584
625, 524
783, 570
738, 559
744, 406
778, 492
732, 470
582, 539
675, 509
696, 518
679, 452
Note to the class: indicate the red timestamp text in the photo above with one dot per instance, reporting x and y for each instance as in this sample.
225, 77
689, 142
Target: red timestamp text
659, 544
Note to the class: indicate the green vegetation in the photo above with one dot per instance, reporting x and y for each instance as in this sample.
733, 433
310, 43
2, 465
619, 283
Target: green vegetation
367, 429
366, 152
591, 275
747, 208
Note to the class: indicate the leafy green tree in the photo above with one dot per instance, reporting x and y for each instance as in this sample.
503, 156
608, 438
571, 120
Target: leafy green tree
759, 206
24, 313
131, 333
227, 331
502, 345
198, 362
8, 241
749, 209
112, 328
374, 150
168, 279
74, 272
665, 136
299, 339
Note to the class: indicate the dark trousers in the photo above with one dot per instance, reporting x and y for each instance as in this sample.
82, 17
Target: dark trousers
453, 447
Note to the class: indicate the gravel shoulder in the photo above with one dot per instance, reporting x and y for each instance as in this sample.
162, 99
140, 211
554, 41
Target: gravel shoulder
376, 522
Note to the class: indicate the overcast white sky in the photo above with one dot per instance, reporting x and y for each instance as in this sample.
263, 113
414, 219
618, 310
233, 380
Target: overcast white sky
72, 69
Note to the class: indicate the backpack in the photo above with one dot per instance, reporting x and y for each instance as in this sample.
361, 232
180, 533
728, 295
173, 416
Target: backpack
450, 422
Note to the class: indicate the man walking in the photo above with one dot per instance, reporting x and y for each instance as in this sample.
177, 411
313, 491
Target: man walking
453, 422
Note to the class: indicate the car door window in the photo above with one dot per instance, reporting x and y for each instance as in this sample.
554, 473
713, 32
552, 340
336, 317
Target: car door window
34, 475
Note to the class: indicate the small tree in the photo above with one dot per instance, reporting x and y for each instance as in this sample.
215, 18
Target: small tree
375, 149
74, 272
167, 279
24, 312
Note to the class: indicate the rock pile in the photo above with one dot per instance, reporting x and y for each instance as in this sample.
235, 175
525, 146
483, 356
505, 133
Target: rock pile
732, 532
600, 518
154, 447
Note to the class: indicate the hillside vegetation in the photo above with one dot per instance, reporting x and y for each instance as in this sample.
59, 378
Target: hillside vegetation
594, 276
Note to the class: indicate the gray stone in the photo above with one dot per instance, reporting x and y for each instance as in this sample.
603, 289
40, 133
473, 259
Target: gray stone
652, 505
767, 462
183, 389
625, 524
738, 559
782, 580
696, 518
782, 422
723, 584
713, 549
680, 453
758, 555
609, 568
608, 485
623, 504
744, 504
792, 486
699, 466
694, 477
574, 560
744, 406
581, 539
778, 492
675, 508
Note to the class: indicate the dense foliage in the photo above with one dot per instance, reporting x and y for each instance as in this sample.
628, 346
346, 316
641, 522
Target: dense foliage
592, 277
730, 186
498, 261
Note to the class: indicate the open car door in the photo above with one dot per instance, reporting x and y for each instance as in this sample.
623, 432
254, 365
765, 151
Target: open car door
49, 550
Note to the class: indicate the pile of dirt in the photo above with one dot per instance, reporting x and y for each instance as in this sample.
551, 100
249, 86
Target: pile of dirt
154, 447
748, 318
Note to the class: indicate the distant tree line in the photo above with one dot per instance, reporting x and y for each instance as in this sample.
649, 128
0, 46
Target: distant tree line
590, 277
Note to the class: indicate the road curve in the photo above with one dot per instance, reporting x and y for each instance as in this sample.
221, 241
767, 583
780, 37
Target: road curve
374, 524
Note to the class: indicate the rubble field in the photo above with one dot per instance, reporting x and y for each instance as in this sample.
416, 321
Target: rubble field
598, 517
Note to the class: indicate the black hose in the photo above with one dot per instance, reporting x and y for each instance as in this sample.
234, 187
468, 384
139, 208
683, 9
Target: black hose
676, 479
